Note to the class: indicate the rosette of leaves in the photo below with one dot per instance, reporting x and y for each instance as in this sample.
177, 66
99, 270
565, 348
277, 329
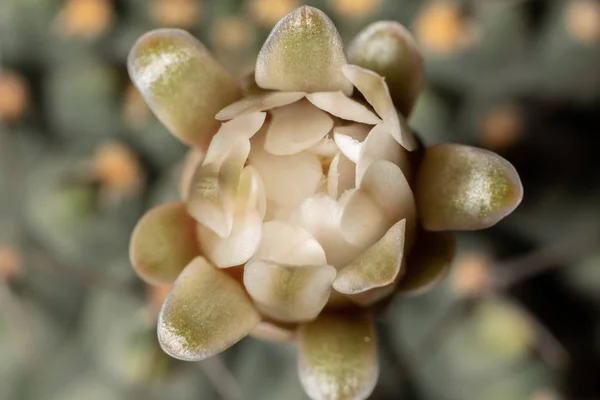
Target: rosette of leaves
307, 201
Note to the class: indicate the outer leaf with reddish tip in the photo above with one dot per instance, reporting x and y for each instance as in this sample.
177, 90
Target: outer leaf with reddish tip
428, 262
163, 243
465, 188
183, 84
338, 357
305, 53
288, 293
387, 48
205, 312
378, 266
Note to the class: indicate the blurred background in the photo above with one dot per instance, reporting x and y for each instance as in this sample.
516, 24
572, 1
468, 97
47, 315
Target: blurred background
82, 157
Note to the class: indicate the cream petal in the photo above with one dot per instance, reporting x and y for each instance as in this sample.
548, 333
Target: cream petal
288, 293
338, 357
251, 192
288, 179
320, 216
287, 244
380, 145
383, 198
340, 105
213, 190
277, 212
349, 139
258, 102
163, 243
363, 221
274, 332
387, 48
230, 133
183, 84
378, 266
304, 52
428, 262
205, 312
375, 90
238, 247
465, 188
296, 127
341, 176
325, 147
192, 161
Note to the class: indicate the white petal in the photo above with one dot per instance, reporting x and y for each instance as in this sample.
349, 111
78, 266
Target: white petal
243, 127
288, 244
278, 212
213, 190
193, 159
341, 176
325, 147
349, 140
296, 127
258, 102
251, 191
340, 105
363, 221
238, 247
288, 179
320, 216
288, 294
380, 145
375, 90
383, 198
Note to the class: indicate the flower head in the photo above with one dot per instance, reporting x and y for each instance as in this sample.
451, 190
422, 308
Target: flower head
307, 199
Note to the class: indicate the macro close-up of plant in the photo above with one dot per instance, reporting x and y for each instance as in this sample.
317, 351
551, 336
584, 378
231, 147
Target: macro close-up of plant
294, 200
308, 207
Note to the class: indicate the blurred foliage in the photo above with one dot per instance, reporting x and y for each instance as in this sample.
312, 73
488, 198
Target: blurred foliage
81, 157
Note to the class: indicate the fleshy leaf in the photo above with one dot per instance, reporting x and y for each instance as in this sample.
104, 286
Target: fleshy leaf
340, 105
288, 244
465, 188
288, 293
375, 90
163, 243
428, 262
378, 266
274, 332
387, 48
338, 357
259, 102
205, 312
296, 127
183, 84
304, 52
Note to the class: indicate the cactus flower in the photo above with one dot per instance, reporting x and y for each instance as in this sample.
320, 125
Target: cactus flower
307, 201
